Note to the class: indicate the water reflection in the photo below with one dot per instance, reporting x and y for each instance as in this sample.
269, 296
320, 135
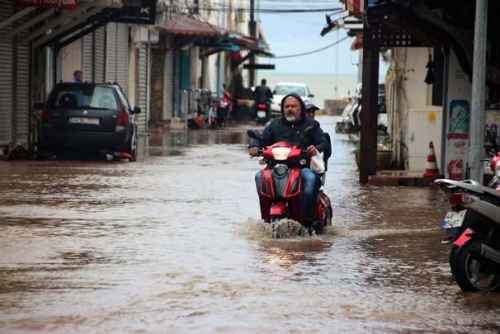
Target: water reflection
175, 242
174, 142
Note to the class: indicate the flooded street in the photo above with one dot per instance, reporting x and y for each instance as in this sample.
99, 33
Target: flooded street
173, 245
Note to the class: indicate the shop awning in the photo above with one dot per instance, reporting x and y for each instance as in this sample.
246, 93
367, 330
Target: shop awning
60, 22
235, 42
183, 25
213, 38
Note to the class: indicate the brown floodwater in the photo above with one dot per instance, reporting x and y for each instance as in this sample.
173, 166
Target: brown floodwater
173, 244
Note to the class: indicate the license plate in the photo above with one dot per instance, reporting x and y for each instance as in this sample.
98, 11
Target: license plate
453, 219
261, 114
84, 120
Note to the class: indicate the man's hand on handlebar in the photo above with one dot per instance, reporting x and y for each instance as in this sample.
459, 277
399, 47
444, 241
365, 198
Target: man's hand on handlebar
312, 151
253, 151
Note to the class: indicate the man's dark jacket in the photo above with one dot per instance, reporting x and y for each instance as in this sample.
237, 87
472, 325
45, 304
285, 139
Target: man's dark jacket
262, 94
294, 132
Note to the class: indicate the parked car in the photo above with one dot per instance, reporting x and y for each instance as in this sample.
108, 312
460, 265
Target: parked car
88, 117
284, 88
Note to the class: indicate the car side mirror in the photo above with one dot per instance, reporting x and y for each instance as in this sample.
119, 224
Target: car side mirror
136, 110
310, 95
39, 106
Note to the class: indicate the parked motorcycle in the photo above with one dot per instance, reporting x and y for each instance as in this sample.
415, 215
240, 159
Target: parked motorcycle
473, 227
281, 184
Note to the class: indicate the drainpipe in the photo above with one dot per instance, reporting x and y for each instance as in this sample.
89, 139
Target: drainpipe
478, 113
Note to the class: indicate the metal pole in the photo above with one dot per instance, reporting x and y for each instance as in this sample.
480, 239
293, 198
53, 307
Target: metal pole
368, 135
253, 33
369, 96
478, 113
444, 128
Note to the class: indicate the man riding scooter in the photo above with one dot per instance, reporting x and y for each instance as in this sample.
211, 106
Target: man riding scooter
297, 129
262, 97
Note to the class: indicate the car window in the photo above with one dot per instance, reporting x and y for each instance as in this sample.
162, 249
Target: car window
76, 97
123, 98
288, 89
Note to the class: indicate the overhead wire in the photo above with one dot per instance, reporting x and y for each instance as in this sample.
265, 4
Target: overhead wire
312, 51
275, 6
271, 10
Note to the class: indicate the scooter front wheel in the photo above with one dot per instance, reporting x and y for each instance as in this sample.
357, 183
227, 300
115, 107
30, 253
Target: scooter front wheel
471, 271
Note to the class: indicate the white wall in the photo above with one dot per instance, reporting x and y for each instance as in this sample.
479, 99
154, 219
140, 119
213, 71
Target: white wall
413, 119
417, 92
424, 120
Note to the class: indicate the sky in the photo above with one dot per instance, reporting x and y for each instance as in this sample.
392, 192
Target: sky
289, 34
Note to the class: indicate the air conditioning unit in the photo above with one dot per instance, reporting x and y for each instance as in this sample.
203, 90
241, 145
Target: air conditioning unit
142, 34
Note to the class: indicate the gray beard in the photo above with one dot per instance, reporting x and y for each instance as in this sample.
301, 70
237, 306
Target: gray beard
290, 118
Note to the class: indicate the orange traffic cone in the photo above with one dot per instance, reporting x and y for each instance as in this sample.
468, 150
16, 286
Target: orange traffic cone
431, 171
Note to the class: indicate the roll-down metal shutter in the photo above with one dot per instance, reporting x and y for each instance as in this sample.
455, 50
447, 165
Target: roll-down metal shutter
22, 93
99, 54
142, 88
122, 55
117, 54
168, 94
93, 56
6, 77
111, 52
87, 57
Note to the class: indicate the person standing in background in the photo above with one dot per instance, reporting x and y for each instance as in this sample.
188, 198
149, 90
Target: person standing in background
77, 76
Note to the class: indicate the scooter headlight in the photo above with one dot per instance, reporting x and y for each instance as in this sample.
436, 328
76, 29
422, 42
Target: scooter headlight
281, 153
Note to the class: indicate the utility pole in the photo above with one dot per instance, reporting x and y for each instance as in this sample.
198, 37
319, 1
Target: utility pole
478, 112
369, 95
253, 34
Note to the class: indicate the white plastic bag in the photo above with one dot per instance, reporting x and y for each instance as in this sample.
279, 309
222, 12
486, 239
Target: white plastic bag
317, 163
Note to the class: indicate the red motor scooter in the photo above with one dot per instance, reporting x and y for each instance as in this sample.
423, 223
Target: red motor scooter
280, 186
262, 113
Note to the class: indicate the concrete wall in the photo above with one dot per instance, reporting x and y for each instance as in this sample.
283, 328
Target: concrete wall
459, 85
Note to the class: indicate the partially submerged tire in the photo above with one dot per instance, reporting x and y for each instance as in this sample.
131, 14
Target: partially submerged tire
471, 272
